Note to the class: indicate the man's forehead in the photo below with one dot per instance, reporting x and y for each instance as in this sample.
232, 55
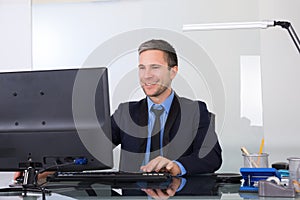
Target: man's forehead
153, 55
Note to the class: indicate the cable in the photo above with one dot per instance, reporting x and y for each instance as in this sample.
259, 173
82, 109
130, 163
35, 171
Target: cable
56, 166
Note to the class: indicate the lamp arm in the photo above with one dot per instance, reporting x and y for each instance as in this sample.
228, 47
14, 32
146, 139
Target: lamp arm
288, 26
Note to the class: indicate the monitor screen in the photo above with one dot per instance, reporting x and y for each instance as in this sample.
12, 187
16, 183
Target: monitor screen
56, 119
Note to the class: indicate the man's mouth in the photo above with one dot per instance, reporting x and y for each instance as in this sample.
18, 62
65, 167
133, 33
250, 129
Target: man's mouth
150, 84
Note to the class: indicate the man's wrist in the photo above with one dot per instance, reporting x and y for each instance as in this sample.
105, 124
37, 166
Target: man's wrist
181, 167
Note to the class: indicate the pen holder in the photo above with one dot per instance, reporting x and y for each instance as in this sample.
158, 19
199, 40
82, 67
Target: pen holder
256, 160
294, 173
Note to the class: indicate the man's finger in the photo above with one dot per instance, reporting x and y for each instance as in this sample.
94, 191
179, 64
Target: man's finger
162, 164
150, 166
173, 168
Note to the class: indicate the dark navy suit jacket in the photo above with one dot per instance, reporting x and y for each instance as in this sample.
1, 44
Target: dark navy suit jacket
189, 135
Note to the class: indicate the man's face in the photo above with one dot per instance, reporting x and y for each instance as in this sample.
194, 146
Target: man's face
155, 75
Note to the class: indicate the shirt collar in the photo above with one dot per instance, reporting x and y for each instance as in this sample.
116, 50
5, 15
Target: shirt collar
166, 104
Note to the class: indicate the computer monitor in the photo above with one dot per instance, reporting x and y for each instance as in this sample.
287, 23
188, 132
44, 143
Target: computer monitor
55, 119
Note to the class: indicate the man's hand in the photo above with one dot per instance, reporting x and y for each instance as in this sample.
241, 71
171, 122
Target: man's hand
162, 164
40, 176
17, 175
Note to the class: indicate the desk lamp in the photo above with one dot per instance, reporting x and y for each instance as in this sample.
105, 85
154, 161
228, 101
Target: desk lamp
245, 25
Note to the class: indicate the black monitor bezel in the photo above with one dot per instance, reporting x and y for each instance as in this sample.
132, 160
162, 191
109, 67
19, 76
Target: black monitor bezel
30, 138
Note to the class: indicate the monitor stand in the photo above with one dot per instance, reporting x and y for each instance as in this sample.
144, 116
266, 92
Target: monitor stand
29, 185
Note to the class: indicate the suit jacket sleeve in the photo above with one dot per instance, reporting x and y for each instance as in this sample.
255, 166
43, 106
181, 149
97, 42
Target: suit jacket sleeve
116, 132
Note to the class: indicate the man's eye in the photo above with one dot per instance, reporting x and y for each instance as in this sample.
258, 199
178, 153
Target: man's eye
155, 66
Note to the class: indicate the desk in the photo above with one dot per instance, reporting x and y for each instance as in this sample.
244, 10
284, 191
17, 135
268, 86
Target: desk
195, 187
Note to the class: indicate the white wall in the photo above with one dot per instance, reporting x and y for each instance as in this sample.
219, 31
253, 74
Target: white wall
15, 48
280, 71
66, 35
15, 35
107, 33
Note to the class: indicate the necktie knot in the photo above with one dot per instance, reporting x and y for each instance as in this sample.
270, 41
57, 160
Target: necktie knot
157, 110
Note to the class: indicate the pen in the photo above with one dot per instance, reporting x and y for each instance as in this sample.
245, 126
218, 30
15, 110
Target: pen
244, 150
261, 146
260, 150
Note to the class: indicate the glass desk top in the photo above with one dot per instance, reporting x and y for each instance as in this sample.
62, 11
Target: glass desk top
191, 187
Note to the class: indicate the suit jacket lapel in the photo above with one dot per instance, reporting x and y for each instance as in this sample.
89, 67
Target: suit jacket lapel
142, 120
143, 124
174, 112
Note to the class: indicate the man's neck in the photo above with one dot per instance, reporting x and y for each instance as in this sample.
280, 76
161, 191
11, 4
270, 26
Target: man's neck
162, 97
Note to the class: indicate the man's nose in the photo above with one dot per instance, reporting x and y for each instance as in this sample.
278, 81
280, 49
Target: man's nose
148, 72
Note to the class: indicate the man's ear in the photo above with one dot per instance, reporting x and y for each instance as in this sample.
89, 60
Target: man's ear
174, 71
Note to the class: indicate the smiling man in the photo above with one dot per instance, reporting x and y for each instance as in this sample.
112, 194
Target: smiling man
156, 75
164, 132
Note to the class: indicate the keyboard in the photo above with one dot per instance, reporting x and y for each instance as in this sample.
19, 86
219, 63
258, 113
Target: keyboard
110, 176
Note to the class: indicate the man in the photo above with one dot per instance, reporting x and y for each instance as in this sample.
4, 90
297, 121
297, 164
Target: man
185, 141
